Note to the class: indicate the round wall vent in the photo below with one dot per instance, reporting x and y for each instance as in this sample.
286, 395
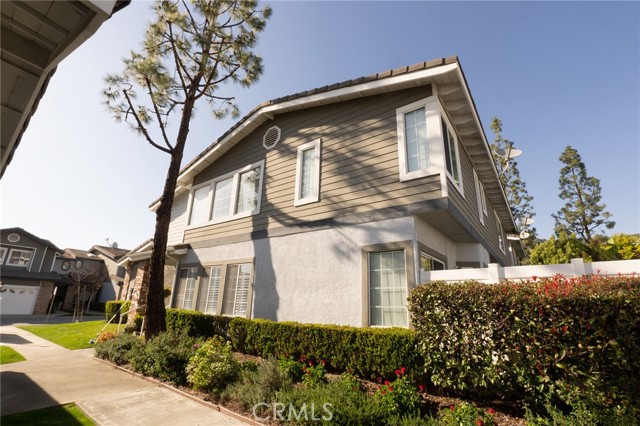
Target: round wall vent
13, 238
271, 138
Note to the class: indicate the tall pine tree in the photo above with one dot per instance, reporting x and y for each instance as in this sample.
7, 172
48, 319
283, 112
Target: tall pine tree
519, 199
190, 52
583, 213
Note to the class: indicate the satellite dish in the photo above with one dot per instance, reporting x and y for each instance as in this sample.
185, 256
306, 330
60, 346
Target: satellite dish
508, 154
528, 221
524, 235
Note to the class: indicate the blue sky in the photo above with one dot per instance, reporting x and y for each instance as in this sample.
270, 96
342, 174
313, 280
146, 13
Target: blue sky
555, 73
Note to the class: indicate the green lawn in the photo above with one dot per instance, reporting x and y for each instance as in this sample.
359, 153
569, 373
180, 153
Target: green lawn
8, 355
73, 335
63, 415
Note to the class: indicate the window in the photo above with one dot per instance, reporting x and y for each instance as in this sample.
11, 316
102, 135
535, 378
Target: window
430, 263
415, 134
3, 253
387, 289
451, 153
228, 197
482, 198
223, 289
186, 288
20, 257
500, 233
308, 173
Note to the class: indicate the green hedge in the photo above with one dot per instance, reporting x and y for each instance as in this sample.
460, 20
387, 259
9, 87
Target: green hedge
111, 309
369, 352
197, 324
563, 339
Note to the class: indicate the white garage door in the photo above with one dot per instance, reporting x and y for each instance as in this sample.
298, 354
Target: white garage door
17, 299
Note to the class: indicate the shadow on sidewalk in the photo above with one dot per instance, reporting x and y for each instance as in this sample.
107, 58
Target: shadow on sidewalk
13, 339
20, 393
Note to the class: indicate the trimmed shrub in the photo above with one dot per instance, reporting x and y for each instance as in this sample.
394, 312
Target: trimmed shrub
213, 366
557, 339
120, 349
369, 352
197, 324
165, 357
116, 307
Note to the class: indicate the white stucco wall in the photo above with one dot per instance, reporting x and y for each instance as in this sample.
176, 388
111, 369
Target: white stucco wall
473, 252
434, 239
313, 276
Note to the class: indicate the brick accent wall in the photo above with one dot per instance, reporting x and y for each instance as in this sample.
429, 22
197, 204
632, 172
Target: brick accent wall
43, 299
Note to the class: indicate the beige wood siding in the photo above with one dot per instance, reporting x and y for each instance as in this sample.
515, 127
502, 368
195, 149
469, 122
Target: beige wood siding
468, 206
359, 165
178, 219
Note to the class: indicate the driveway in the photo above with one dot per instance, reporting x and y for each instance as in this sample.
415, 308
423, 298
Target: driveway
53, 375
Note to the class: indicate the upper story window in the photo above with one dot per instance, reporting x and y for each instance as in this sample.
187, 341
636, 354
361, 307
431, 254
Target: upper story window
427, 144
500, 233
308, 173
3, 253
20, 257
452, 158
228, 197
481, 196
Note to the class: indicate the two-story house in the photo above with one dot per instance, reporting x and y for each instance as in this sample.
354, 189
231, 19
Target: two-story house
26, 280
325, 206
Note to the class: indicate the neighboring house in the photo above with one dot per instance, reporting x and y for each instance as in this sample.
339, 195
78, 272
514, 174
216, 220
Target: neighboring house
83, 276
36, 37
26, 279
112, 289
325, 206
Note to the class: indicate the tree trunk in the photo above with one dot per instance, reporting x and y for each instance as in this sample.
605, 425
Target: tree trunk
155, 311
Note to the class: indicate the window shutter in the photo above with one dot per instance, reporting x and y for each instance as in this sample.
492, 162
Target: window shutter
213, 289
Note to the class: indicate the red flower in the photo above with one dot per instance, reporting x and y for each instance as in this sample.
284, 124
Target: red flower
554, 330
383, 392
386, 382
565, 329
390, 388
310, 363
322, 362
403, 370
421, 388
534, 278
479, 422
451, 407
397, 372
379, 379
491, 411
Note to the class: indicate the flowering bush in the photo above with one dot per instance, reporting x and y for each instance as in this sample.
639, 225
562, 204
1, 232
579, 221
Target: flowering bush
399, 396
213, 366
567, 339
291, 367
466, 415
313, 374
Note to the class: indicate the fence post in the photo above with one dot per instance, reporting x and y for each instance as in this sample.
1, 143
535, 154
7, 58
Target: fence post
496, 273
578, 267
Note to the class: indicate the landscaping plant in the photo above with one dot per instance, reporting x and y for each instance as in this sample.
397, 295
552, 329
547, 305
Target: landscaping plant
165, 357
213, 366
399, 395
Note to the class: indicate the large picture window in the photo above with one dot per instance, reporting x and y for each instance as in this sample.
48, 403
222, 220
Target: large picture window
308, 173
228, 197
387, 289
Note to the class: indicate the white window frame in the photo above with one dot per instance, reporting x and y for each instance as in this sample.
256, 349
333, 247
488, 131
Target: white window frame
481, 196
235, 186
32, 251
382, 306
432, 113
315, 190
445, 119
424, 254
3, 253
500, 229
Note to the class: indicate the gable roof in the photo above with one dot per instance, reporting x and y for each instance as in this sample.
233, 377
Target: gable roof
114, 253
33, 237
450, 86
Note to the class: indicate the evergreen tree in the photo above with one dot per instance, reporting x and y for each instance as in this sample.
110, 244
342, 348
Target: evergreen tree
519, 199
583, 213
190, 51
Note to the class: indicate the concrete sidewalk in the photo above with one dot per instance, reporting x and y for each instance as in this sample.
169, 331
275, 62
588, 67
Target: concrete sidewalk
53, 375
